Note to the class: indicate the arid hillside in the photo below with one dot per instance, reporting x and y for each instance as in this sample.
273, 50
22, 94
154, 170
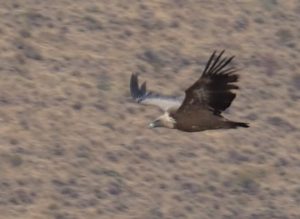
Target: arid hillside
74, 146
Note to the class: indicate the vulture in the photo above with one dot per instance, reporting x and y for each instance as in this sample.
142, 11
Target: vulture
202, 104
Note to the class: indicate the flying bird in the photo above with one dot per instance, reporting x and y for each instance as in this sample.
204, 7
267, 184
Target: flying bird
200, 107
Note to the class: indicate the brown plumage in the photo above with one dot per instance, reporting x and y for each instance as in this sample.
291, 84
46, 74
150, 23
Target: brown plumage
201, 107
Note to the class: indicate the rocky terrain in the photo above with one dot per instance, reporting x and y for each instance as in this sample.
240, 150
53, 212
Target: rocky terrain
73, 145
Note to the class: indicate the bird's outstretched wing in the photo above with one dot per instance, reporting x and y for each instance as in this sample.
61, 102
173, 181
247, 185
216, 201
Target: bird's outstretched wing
213, 90
141, 95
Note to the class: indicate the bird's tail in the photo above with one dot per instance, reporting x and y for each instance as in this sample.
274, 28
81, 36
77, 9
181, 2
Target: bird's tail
237, 124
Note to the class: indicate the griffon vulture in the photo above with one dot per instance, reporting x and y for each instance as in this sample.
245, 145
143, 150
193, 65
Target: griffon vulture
201, 107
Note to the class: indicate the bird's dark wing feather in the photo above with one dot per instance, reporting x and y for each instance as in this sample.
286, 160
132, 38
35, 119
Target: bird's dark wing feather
141, 95
213, 90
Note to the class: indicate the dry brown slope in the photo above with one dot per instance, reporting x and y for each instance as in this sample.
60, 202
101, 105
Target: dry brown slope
71, 148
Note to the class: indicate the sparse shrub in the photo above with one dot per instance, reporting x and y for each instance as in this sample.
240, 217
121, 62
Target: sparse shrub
114, 188
284, 36
247, 183
241, 23
36, 19
16, 160
92, 24
28, 50
77, 106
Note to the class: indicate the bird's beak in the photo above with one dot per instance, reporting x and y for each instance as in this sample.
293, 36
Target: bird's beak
154, 124
151, 125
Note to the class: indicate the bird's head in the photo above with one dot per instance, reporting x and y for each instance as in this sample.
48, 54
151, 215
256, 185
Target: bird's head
163, 121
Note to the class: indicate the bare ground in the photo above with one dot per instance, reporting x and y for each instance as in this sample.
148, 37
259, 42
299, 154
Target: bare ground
73, 146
